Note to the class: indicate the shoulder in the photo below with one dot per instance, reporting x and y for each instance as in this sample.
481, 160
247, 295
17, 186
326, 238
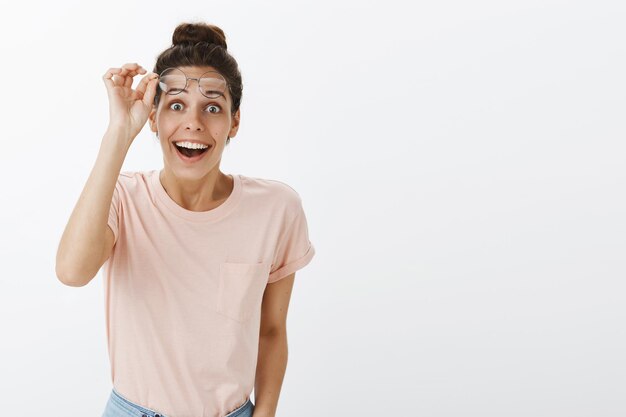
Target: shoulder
128, 177
133, 178
272, 189
131, 184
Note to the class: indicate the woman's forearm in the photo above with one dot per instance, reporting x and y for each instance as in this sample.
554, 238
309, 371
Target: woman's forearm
270, 371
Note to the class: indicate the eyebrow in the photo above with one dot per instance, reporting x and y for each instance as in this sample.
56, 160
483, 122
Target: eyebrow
210, 91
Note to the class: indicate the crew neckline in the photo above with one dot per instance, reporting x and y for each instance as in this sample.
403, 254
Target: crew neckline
200, 216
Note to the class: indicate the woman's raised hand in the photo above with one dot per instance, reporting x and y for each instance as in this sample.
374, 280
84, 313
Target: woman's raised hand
129, 109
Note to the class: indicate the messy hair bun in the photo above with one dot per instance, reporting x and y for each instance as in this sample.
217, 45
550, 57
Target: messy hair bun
192, 33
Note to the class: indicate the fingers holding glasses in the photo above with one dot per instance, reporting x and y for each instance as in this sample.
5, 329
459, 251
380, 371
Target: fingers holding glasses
129, 107
149, 83
123, 76
128, 71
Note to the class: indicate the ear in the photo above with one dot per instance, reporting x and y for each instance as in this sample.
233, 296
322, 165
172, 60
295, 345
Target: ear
234, 127
152, 119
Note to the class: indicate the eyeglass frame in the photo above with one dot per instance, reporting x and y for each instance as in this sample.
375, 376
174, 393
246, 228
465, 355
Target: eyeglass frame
191, 78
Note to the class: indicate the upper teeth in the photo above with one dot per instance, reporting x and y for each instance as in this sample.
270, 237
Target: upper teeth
192, 145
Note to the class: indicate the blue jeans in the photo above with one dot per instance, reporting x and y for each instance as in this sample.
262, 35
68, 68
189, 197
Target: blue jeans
118, 406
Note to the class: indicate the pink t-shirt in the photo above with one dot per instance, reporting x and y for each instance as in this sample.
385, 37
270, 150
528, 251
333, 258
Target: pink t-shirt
183, 290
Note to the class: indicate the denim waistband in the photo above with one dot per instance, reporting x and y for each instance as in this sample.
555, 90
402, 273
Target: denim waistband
147, 412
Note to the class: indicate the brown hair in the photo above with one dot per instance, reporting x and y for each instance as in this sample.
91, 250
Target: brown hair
201, 44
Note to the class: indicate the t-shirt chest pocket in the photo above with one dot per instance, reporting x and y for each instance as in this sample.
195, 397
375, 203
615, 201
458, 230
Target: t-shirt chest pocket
240, 289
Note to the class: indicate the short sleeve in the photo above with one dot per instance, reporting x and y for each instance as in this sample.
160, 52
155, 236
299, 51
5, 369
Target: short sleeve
294, 250
114, 212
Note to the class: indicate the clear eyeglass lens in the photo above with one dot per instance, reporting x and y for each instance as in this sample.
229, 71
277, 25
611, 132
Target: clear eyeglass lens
212, 84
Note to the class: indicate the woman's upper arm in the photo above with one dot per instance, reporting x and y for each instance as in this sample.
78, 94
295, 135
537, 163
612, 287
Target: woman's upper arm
275, 304
109, 242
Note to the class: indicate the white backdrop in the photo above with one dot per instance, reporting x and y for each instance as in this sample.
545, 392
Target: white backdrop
460, 164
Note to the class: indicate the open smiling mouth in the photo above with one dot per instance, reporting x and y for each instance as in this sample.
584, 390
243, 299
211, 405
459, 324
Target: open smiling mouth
191, 155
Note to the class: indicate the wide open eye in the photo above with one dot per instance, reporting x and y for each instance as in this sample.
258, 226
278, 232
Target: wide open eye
213, 108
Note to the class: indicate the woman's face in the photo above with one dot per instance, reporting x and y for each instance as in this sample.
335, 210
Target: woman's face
193, 117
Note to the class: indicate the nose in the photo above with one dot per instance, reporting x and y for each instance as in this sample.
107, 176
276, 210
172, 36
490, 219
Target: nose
195, 120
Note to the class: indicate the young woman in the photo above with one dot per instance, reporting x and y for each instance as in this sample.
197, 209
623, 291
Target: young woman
198, 265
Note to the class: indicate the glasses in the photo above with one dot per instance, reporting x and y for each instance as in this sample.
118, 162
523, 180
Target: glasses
211, 84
